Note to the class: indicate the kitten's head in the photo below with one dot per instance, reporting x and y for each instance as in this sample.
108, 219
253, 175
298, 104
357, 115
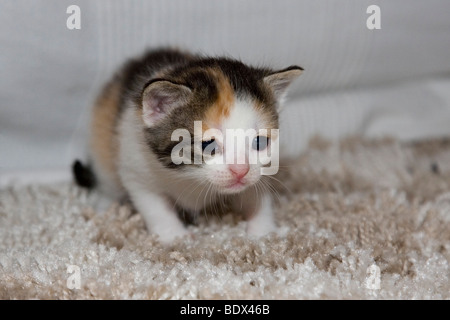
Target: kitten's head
216, 120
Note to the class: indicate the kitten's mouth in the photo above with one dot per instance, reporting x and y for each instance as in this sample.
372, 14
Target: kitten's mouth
235, 187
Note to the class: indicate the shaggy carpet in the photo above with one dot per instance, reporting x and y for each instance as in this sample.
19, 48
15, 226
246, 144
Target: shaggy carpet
358, 219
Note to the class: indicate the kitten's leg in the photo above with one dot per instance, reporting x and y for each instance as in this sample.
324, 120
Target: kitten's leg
102, 202
159, 216
262, 221
107, 191
257, 210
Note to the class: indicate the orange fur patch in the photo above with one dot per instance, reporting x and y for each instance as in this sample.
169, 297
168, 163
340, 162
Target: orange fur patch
103, 141
221, 109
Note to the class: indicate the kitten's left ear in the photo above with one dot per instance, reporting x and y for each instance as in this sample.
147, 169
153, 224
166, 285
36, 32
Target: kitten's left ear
279, 81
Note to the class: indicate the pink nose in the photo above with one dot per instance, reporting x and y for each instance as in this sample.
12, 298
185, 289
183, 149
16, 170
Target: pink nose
239, 170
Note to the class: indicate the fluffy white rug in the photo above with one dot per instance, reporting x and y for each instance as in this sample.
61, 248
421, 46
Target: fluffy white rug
362, 220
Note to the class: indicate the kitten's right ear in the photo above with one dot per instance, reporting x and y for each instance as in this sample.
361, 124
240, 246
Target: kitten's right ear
160, 97
279, 81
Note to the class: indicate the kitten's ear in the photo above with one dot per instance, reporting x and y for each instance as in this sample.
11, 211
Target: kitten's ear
160, 97
279, 81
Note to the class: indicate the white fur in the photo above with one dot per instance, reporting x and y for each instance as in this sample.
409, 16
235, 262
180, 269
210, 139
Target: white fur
242, 116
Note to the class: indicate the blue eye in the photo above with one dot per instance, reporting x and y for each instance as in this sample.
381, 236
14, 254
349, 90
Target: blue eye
260, 143
209, 146
207, 143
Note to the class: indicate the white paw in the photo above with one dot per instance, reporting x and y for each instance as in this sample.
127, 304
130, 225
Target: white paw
254, 228
168, 236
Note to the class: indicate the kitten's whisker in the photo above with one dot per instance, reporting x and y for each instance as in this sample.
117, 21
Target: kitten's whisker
191, 190
199, 194
281, 183
270, 188
215, 203
181, 194
210, 185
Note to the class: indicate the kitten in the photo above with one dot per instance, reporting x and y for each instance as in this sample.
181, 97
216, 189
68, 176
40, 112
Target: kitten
158, 134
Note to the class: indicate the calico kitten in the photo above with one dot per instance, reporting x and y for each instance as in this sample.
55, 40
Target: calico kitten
167, 91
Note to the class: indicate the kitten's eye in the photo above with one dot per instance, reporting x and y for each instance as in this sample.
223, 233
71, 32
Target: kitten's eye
260, 143
207, 143
209, 146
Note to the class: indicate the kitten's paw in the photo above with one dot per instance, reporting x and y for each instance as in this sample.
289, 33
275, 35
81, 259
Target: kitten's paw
169, 236
260, 229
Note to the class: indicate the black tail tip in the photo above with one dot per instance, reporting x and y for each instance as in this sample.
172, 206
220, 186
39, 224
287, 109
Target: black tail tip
83, 175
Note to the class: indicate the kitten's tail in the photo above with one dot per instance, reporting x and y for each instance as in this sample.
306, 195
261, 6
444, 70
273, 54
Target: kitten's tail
83, 175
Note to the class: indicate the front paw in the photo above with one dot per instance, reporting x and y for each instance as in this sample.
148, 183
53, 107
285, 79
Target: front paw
169, 236
258, 229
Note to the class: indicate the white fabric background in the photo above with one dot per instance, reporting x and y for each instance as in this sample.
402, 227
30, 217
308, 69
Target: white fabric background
391, 81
